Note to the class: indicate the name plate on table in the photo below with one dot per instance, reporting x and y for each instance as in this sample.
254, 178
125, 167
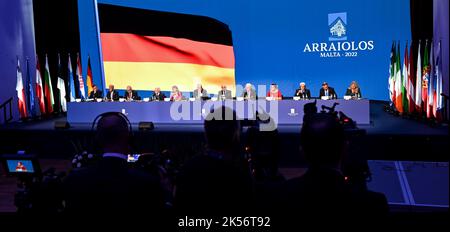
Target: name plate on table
78, 100
121, 99
167, 99
269, 98
147, 99
239, 98
296, 98
347, 97
325, 98
214, 99
192, 99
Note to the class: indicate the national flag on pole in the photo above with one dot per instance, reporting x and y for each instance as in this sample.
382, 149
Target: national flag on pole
418, 97
48, 89
431, 83
405, 80
391, 79
21, 93
71, 81
30, 92
80, 78
89, 81
61, 85
39, 88
410, 83
437, 110
425, 75
398, 82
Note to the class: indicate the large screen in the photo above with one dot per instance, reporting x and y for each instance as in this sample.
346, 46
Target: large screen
284, 42
148, 49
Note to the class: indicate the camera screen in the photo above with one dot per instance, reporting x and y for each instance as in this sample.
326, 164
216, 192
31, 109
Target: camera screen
20, 166
133, 158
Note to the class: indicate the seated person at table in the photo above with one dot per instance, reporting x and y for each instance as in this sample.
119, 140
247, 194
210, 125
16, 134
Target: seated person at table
131, 95
353, 90
157, 95
200, 92
224, 93
274, 92
95, 93
303, 92
176, 95
327, 91
249, 92
112, 94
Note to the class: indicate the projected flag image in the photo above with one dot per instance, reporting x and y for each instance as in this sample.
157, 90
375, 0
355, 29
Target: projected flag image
186, 50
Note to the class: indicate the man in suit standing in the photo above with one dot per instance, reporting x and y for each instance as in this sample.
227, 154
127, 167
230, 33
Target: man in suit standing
303, 92
249, 92
95, 93
157, 95
200, 92
112, 94
131, 95
110, 187
327, 91
224, 93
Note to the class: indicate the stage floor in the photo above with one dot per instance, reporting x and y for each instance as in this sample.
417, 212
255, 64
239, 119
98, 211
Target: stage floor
388, 137
381, 123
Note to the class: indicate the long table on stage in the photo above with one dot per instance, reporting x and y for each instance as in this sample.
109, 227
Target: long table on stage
285, 112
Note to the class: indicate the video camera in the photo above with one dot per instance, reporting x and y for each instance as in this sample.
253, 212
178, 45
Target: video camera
37, 191
21, 165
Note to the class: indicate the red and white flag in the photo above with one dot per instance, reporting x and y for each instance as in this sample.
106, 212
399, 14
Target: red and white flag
80, 78
21, 92
39, 88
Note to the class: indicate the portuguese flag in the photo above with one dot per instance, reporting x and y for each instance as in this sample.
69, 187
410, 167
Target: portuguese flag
148, 49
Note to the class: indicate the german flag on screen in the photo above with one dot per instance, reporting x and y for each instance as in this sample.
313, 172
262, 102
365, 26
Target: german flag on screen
148, 49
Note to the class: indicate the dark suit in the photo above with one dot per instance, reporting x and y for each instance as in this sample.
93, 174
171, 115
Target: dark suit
331, 93
115, 95
357, 95
306, 94
323, 193
134, 95
158, 97
227, 94
110, 187
208, 184
95, 95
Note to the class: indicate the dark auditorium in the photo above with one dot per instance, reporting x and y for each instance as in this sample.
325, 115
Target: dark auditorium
237, 115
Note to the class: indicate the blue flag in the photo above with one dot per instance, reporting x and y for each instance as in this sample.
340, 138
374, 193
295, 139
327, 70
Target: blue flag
71, 81
30, 92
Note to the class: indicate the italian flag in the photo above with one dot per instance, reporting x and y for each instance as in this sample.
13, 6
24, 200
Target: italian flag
48, 90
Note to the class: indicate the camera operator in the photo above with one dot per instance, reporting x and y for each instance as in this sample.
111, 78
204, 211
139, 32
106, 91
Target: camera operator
323, 193
111, 187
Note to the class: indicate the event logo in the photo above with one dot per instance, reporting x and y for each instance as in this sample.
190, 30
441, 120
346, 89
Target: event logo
337, 23
337, 45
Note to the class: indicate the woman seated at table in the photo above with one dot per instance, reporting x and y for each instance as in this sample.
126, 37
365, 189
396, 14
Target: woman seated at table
274, 92
176, 95
353, 90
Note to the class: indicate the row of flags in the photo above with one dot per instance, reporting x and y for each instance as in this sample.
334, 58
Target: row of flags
417, 92
42, 91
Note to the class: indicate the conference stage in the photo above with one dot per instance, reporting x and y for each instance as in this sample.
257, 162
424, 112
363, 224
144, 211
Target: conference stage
285, 112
